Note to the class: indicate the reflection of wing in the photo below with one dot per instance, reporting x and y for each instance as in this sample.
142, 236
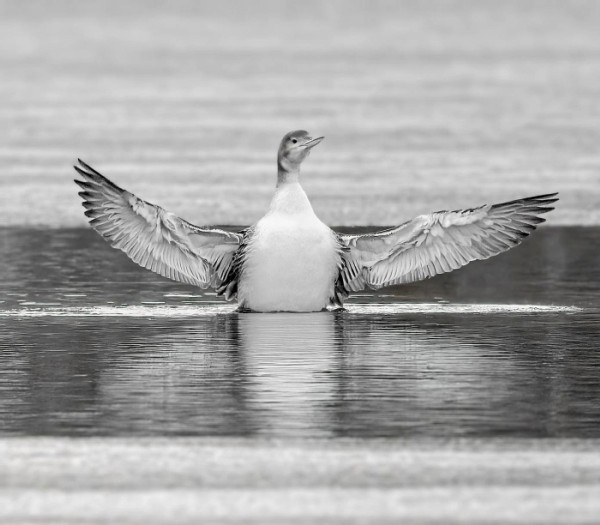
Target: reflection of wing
155, 238
439, 242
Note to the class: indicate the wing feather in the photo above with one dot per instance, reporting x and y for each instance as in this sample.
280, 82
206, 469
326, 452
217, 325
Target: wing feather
153, 237
440, 242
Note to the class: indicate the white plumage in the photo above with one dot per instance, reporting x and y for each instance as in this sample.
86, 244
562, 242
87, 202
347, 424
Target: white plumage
289, 260
292, 258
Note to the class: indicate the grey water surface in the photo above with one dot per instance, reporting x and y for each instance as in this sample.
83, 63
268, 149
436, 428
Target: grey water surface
92, 345
408, 407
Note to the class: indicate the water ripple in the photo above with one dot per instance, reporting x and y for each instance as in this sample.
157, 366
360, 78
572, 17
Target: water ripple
162, 310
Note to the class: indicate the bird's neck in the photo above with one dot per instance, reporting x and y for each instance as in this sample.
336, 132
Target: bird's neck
290, 199
287, 173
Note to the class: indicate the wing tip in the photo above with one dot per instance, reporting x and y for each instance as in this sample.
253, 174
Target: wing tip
95, 178
539, 201
86, 170
86, 175
86, 166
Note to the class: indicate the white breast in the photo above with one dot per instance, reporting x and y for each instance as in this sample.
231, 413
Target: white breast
292, 258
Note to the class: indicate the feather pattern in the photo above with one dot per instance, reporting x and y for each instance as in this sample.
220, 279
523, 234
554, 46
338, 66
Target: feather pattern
153, 237
439, 242
229, 286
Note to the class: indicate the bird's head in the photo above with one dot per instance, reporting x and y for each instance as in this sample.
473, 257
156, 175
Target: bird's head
294, 148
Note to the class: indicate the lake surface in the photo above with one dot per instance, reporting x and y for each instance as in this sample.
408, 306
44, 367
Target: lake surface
92, 345
409, 407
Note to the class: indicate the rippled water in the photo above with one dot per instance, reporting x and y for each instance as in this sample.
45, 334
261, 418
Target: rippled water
425, 106
93, 345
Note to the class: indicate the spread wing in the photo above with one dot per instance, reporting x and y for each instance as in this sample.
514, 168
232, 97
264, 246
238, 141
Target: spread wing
153, 237
440, 242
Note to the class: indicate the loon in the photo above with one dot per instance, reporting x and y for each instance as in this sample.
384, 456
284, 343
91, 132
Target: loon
291, 261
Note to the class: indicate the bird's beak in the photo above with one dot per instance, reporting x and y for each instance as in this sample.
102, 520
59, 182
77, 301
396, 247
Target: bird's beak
311, 143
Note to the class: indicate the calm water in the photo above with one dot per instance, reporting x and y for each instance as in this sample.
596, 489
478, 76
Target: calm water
425, 106
93, 345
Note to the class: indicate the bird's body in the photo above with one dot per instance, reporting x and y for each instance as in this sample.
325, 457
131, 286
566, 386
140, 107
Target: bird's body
292, 258
291, 261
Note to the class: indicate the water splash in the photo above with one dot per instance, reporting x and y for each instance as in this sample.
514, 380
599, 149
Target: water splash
149, 309
439, 308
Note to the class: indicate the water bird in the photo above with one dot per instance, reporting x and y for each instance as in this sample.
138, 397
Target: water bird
291, 261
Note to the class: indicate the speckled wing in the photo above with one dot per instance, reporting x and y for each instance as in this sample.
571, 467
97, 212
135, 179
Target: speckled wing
440, 242
153, 237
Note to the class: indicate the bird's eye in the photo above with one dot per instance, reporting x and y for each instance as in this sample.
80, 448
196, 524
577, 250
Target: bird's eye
294, 141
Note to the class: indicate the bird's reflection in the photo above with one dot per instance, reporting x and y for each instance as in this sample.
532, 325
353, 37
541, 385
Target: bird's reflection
290, 361
321, 374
